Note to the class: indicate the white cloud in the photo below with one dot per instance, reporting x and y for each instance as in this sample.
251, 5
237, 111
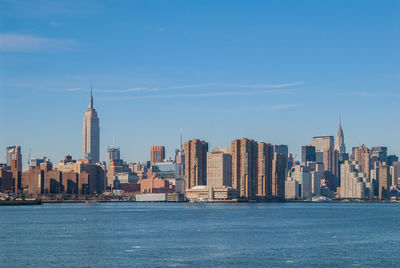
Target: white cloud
136, 89
205, 94
264, 85
74, 89
204, 86
281, 106
31, 43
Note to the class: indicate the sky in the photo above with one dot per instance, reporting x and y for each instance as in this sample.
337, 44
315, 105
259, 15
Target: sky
274, 71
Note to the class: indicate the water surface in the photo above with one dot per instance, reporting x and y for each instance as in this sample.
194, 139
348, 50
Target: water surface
200, 235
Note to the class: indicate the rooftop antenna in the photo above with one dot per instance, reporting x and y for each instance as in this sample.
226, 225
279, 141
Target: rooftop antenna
29, 157
181, 139
91, 95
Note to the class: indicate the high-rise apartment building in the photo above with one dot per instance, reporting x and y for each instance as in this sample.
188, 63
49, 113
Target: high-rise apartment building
354, 184
307, 154
278, 176
157, 154
14, 154
195, 163
362, 156
264, 171
219, 169
91, 133
384, 181
244, 167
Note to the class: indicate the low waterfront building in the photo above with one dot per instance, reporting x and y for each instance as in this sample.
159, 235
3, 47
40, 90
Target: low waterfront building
156, 185
67, 177
212, 193
159, 197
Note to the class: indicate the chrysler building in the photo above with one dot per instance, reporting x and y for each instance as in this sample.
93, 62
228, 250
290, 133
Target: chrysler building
339, 144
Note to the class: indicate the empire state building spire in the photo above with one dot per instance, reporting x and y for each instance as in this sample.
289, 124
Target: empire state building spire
91, 96
339, 144
91, 132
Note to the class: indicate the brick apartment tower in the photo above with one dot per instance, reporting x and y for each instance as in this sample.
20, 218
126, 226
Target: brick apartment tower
195, 163
244, 167
91, 133
278, 176
157, 154
264, 171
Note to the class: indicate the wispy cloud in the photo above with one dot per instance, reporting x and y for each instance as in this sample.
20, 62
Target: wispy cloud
264, 85
205, 94
281, 106
231, 85
74, 89
366, 94
202, 86
30, 43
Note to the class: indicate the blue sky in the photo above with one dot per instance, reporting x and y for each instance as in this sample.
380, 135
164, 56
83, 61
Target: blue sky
274, 71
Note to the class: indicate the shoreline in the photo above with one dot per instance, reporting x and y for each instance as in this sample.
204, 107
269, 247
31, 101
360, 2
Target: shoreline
214, 201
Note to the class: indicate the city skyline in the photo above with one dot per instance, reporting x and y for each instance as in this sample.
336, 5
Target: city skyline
338, 142
276, 83
154, 133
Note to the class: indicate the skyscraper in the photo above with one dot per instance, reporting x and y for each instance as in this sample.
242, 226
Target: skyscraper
384, 181
379, 153
219, 169
180, 158
362, 155
113, 153
278, 176
307, 153
339, 144
331, 167
14, 154
264, 171
91, 133
244, 167
157, 154
195, 163
321, 142
180, 154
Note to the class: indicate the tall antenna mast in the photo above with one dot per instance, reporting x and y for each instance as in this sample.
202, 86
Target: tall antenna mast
181, 139
91, 95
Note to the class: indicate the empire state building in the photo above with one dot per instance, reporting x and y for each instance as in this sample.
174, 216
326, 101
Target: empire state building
91, 133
